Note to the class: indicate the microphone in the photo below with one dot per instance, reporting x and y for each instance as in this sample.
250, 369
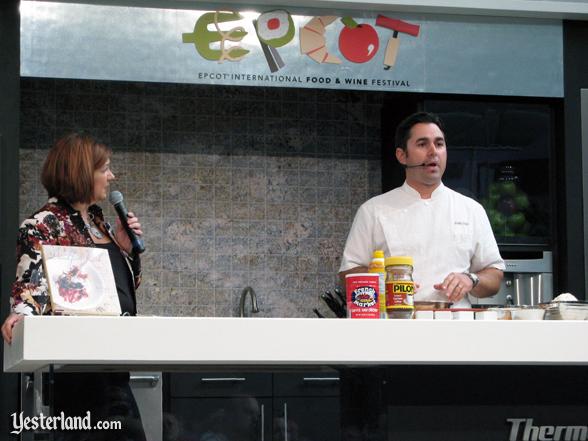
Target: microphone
116, 199
416, 165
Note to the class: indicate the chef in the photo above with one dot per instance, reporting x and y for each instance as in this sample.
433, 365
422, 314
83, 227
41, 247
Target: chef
447, 234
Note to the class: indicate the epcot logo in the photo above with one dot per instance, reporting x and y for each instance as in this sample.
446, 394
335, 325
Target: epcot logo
358, 42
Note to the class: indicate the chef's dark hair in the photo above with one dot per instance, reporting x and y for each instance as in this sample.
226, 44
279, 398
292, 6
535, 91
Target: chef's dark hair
404, 128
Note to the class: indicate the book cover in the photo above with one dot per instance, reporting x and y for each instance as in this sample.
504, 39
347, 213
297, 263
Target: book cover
80, 280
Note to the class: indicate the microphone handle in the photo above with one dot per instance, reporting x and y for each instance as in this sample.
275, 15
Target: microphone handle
136, 241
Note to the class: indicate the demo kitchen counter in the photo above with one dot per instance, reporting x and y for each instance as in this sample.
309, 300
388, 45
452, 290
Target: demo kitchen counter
147, 342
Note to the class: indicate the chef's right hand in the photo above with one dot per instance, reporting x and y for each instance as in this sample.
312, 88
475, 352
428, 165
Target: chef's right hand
455, 286
9, 323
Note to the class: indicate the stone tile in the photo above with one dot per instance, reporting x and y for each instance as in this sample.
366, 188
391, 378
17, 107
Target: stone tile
240, 211
198, 311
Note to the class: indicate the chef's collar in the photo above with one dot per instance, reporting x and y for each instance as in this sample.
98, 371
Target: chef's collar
412, 192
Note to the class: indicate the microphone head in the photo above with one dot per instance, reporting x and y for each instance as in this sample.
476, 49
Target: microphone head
115, 197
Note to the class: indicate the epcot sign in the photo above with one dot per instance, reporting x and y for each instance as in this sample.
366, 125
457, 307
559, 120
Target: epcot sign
357, 42
279, 48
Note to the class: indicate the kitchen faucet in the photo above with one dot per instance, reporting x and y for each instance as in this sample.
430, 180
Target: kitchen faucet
254, 307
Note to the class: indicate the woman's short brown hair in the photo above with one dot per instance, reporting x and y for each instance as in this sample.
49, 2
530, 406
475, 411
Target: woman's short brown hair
68, 171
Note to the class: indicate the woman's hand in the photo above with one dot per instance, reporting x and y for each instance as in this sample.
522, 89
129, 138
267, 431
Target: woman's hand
9, 323
121, 234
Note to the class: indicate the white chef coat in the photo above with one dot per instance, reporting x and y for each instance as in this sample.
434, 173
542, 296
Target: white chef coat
447, 233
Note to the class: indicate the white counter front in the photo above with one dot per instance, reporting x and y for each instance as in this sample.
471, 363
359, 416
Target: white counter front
190, 342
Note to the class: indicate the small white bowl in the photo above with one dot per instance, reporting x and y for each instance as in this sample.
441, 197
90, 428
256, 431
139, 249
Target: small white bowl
529, 313
443, 315
463, 315
486, 315
424, 315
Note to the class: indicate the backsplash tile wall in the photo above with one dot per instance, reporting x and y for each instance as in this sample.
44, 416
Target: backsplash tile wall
234, 186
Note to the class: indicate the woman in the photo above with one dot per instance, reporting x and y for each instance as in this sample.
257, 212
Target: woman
77, 175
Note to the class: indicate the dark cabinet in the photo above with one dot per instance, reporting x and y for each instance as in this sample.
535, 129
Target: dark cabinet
237, 406
214, 406
220, 384
306, 407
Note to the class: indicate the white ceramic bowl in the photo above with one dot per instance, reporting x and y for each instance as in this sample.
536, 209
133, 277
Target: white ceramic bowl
527, 313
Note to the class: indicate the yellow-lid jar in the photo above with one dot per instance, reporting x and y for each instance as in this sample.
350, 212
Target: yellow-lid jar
399, 287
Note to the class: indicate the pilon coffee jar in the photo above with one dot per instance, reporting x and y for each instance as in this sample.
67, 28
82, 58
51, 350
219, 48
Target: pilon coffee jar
363, 295
399, 287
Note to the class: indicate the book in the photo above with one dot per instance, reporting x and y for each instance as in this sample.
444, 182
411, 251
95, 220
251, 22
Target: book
80, 280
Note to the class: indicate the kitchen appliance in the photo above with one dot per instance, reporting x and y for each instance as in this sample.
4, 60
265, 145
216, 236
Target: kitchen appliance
528, 280
499, 153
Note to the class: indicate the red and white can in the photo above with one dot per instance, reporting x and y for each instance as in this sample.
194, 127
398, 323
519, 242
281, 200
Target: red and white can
363, 296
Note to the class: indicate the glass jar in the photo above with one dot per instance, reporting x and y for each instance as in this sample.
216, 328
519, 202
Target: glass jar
399, 287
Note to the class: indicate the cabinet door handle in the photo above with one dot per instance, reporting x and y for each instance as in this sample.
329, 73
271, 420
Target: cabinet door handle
318, 379
152, 380
285, 421
262, 422
222, 379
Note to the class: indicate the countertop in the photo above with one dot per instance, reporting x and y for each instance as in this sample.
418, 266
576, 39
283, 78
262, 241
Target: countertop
168, 342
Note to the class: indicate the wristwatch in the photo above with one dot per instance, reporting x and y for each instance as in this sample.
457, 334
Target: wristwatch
473, 277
